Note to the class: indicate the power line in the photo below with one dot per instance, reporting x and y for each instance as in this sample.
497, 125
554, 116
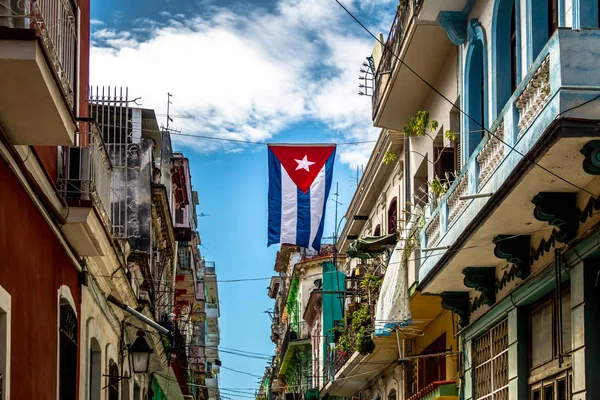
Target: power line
241, 372
223, 139
387, 47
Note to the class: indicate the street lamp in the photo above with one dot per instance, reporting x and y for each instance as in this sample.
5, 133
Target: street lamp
140, 352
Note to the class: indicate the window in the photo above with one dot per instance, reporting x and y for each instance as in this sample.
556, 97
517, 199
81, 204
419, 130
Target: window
68, 351
424, 371
490, 360
113, 381
184, 256
514, 61
393, 216
546, 318
506, 51
475, 89
95, 370
179, 216
377, 231
444, 160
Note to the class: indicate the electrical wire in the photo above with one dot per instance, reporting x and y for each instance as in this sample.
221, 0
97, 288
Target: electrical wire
223, 139
416, 74
241, 372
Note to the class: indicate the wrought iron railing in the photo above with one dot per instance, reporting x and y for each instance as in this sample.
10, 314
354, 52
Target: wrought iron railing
85, 173
180, 351
54, 22
406, 9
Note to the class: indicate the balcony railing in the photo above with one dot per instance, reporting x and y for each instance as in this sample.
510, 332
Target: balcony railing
86, 170
298, 331
54, 22
538, 100
404, 13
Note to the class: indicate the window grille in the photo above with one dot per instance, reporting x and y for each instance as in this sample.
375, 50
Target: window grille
68, 352
491, 364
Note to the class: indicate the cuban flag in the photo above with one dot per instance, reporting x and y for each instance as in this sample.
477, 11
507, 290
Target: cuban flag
299, 183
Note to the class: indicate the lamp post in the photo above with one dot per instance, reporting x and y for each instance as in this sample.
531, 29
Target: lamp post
140, 352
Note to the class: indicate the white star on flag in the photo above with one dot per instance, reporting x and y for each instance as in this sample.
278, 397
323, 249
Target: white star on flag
304, 164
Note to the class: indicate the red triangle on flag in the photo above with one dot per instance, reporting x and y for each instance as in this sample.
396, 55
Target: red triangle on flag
302, 163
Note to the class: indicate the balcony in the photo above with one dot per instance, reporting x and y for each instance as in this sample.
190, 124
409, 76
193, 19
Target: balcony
297, 335
351, 372
274, 286
38, 49
84, 181
546, 120
408, 36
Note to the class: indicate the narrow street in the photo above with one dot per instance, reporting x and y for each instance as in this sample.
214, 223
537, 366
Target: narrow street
300, 199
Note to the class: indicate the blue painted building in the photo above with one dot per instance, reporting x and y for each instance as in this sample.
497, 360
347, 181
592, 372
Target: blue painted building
510, 243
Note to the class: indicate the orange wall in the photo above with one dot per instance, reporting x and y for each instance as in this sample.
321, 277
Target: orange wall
33, 268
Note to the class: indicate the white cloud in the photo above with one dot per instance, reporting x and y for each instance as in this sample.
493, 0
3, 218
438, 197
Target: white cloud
247, 77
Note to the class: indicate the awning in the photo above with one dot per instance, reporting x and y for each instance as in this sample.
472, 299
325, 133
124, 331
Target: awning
165, 386
393, 305
370, 247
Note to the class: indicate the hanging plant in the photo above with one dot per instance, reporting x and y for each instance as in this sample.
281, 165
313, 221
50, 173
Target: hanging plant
419, 125
438, 188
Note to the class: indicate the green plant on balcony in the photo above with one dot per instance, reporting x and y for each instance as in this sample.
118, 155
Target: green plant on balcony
357, 335
420, 125
361, 323
439, 188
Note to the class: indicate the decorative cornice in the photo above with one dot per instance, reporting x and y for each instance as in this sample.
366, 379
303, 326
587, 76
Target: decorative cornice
591, 163
515, 250
560, 210
482, 279
458, 303
455, 25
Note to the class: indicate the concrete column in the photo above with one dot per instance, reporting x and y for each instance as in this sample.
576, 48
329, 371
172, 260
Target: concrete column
469, 370
578, 330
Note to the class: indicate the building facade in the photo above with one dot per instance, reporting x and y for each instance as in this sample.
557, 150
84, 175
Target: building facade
88, 225
471, 242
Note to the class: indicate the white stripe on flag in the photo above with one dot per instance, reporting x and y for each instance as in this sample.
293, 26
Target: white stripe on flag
317, 198
289, 208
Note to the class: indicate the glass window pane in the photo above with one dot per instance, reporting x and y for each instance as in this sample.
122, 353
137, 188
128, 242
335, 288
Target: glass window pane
549, 392
541, 335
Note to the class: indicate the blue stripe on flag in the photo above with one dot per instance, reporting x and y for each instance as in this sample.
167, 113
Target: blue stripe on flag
316, 244
303, 225
274, 233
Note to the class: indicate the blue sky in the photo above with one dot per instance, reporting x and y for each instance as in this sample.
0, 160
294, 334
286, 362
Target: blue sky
266, 70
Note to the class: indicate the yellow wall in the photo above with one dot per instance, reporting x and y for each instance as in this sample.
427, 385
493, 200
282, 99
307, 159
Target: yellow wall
441, 324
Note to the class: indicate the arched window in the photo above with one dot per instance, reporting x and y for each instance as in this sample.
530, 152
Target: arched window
113, 381
68, 351
95, 370
475, 88
377, 231
544, 22
392, 395
393, 216
505, 52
